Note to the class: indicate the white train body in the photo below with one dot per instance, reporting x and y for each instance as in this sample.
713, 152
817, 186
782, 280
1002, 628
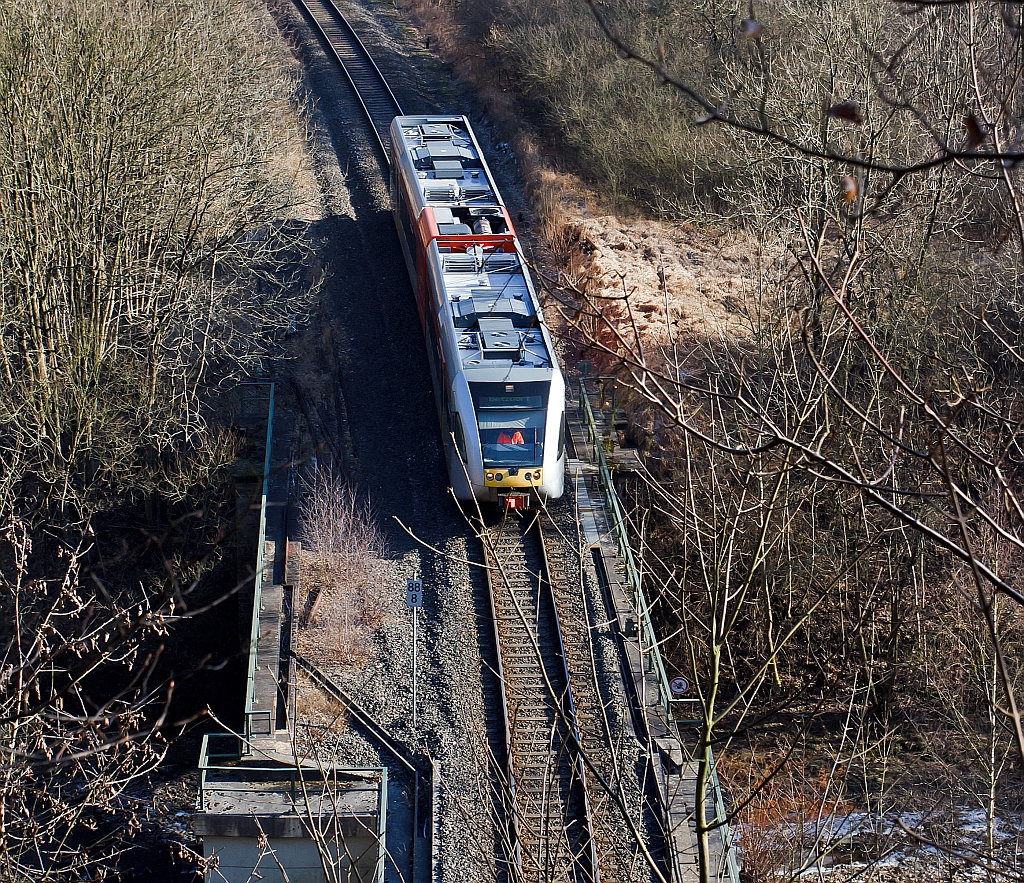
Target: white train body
500, 393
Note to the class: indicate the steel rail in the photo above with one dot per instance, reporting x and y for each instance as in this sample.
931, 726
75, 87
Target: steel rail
579, 615
421, 766
600, 737
405, 757
569, 702
545, 770
507, 788
368, 83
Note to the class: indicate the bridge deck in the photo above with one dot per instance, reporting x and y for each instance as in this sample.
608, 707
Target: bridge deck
676, 773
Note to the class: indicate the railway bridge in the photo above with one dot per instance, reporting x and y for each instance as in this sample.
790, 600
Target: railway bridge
582, 756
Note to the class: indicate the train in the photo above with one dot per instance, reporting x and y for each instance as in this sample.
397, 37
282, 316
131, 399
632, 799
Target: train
500, 392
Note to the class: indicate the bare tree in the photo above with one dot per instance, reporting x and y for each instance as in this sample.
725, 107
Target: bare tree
80, 711
140, 232
144, 256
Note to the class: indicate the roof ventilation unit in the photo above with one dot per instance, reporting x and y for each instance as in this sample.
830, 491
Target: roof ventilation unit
437, 132
437, 192
500, 340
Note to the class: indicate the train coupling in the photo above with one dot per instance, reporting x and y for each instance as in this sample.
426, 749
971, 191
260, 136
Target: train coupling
514, 501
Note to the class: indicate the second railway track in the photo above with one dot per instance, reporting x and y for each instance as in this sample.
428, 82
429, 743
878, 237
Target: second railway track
368, 83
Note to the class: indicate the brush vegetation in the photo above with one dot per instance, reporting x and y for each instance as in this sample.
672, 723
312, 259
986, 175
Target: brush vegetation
144, 259
831, 523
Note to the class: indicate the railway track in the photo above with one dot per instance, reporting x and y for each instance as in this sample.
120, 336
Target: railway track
368, 83
535, 725
548, 802
591, 701
374, 730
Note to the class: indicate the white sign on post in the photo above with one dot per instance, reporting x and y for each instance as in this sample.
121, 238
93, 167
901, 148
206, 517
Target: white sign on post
414, 600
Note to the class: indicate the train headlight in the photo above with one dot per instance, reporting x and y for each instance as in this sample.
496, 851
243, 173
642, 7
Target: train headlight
490, 476
536, 475
498, 476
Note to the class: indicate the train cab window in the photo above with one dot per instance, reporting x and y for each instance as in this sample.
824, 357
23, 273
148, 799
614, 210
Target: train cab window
511, 418
510, 396
511, 446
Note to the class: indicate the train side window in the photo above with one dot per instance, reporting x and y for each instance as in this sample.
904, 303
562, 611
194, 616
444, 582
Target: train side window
460, 438
406, 215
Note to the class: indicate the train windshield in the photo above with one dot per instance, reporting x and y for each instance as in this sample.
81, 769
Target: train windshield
511, 446
510, 396
511, 419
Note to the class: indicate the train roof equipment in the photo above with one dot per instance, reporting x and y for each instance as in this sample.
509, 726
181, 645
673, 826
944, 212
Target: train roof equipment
473, 257
493, 313
442, 156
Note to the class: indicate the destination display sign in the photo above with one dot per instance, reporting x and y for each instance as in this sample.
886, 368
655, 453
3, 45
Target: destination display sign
496, 402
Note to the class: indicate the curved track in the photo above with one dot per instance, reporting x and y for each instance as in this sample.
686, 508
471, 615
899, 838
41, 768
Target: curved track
368, 83
547, 799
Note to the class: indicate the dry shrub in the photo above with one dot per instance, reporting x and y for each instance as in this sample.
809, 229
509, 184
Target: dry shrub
342, 550
559, 231
786, 812
143, 250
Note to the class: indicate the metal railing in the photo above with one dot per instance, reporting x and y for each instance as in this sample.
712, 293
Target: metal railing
722, 818
285, 775
382, 825
647, 634
288, 777
648, 637
257, 597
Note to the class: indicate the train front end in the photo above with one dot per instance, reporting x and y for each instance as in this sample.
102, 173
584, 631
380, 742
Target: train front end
519, 419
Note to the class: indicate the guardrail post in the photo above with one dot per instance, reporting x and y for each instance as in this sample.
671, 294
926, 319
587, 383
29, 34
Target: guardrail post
382, 818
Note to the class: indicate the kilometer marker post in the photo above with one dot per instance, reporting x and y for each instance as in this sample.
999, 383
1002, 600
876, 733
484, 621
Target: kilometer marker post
414, 600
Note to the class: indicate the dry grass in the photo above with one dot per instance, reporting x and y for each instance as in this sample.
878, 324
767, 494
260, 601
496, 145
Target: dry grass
314, 706
343, 574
